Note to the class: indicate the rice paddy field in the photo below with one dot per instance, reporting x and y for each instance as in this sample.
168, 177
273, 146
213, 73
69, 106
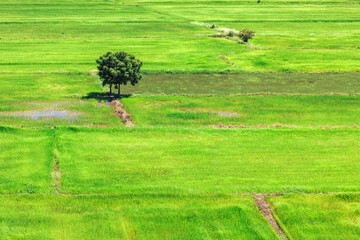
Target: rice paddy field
218, 125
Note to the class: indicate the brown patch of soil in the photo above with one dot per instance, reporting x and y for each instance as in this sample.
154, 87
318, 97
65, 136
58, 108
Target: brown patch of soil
264, 208
121, 112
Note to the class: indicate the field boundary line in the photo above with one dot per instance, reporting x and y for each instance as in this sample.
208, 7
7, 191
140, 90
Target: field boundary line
223, 57
180, 195
278, 125
56, 175
266, 211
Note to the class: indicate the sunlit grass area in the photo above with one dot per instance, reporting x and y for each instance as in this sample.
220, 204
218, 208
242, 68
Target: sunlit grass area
319, 216
100, 29
158, 54
199, 161
70, 169
131, 217
25, 161
249, 111
309, 36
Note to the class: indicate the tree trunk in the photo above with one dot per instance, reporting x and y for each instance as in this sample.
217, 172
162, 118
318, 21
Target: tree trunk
110, 89
119, 90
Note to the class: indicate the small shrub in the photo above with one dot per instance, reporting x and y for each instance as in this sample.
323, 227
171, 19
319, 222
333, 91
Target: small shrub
246, 34
231, 34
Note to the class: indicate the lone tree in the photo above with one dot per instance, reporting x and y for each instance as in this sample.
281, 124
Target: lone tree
246, 34
119, 68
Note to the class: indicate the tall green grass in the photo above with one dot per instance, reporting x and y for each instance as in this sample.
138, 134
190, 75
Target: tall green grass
334, 216
172, 177
207, 161
131, 217
25, 161
305, 36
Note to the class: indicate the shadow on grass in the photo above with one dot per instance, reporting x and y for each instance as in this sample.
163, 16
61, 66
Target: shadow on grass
101, 96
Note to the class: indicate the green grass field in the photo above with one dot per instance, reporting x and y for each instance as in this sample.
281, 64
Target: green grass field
25, 160
249, 111
319, 217
70, 169
131, 217
84, 31
210, 161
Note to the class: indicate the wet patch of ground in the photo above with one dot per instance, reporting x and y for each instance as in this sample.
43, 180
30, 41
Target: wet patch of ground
43, 114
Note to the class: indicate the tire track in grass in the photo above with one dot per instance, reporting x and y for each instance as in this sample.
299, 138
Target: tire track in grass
223, 57
265, 209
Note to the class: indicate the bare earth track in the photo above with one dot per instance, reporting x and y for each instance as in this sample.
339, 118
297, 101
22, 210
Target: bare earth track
264, 208
121, 112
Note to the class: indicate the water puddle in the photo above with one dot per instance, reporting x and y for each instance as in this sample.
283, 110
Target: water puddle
43, 115
102, 104
225, 114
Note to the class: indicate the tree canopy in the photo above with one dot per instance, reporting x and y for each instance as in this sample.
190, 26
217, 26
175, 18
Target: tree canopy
246, 34
119, 68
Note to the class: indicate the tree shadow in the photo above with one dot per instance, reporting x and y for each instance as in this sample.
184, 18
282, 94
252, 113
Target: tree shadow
101, 96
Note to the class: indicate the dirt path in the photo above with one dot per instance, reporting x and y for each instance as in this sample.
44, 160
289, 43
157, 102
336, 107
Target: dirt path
121, 112
264, 208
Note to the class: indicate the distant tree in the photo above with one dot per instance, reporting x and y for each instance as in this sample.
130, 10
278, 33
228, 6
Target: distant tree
246, 34
119, 68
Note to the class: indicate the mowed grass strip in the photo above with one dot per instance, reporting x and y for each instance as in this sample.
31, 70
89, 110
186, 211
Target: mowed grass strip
247, 111
158, 54
303, 60
285, 83
319, 216
179, 10
208, 161
55, 29
73, 10
201, 54
305, 48
222, 11
26, 160
131, 217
